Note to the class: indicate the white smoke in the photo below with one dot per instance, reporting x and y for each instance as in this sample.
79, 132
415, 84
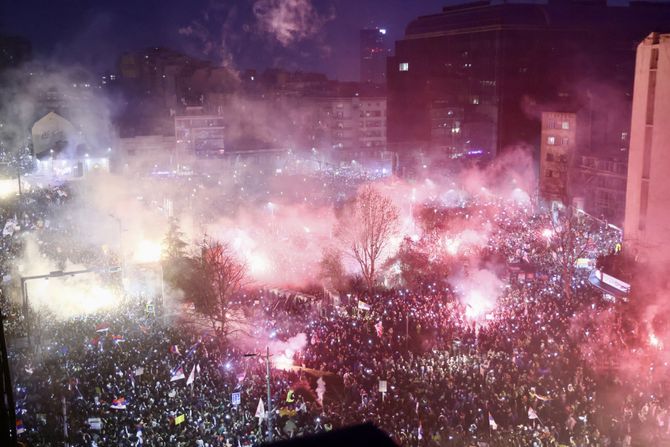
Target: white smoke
289, 21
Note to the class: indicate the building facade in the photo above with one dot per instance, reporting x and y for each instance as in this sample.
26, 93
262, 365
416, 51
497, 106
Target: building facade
374, 51
602, 187
647, 221
199, 134
495, 66
558, 145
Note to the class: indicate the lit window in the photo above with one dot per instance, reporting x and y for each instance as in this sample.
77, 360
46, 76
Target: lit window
404, 66
565, 125
551, 140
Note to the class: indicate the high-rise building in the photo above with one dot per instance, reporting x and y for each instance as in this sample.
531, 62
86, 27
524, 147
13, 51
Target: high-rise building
647, 221
474, 78
374, 51
557, 146
571, 173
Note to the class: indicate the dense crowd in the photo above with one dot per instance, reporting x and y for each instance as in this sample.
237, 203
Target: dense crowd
538, 369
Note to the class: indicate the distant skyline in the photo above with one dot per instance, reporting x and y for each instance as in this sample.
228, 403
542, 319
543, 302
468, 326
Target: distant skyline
316, 35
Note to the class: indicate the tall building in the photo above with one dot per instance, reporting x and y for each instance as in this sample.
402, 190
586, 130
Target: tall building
474, 78
374, 51
558, 145
199, 134
602, 187
572, 173
647, 221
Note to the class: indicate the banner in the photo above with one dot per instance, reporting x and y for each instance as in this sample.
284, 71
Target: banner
363, 305
95, 423
236, 399
179, 419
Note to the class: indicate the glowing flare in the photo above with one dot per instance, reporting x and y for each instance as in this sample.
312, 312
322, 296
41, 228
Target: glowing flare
548, 233
452, 245
258, 263
8, 188
477, 305
283, 361
148, 251
654, 341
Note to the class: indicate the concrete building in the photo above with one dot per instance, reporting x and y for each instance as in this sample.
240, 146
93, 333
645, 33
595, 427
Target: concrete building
199, 134
496, 65
372, 123
572, 169
647, 221
601, 187
147, 153
374, 51
558, 145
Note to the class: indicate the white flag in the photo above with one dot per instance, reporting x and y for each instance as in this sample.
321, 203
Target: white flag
260, 411
191, 377
320, 390
492, 422
532, 414
10, 227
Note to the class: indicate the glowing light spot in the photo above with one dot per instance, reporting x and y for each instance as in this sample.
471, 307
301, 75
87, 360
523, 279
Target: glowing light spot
258, 263
283, 361
147, 251
452, 245
654, 341
476, 305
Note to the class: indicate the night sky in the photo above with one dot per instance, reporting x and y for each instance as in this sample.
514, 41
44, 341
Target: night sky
95, 32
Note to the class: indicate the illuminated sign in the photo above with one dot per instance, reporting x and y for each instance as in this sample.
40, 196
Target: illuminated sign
613, 282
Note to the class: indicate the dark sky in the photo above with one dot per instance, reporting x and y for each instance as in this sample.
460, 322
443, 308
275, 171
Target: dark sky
325, 38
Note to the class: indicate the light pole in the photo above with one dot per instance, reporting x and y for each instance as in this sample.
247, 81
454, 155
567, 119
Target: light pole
267, 378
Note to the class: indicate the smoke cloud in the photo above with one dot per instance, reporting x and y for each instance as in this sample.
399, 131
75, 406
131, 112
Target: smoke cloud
289, 21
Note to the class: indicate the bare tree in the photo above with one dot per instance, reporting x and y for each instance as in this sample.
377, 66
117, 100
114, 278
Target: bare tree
569, 241
365, 227
215, 278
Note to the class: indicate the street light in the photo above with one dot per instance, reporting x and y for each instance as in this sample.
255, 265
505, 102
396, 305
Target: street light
267, 377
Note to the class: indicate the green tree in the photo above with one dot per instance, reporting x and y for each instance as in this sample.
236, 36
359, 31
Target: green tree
174, 246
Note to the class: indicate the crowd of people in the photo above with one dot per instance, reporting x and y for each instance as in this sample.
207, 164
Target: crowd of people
539, 368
